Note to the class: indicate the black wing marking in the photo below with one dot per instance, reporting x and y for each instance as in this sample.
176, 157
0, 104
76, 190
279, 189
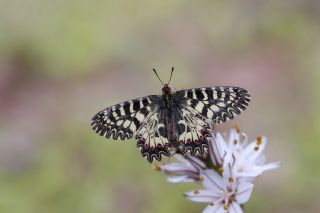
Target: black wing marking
152, 138
121, 121
193, 132
217, 104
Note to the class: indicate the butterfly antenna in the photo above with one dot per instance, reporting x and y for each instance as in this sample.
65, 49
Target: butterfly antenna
171, 75
154, 70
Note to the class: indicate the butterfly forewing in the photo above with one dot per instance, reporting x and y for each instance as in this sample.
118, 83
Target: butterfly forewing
121, 121
216, 104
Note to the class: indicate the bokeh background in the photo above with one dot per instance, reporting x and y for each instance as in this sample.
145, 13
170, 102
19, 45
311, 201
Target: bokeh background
62, 61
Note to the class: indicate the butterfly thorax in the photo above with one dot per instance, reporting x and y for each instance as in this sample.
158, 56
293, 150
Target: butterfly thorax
167, 99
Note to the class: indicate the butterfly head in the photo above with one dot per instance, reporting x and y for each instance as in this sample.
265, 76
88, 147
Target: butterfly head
166, 89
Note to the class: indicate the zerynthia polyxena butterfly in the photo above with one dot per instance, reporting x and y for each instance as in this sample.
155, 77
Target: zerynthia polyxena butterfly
173, 120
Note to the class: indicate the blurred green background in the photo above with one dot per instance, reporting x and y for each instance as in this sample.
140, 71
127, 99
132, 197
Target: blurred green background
62, 61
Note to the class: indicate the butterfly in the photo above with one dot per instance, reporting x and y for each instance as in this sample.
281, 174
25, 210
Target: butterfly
173, 121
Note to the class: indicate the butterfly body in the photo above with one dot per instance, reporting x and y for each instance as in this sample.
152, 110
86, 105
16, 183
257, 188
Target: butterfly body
178, 121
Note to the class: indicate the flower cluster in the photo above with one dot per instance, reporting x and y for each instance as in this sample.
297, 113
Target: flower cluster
228, 177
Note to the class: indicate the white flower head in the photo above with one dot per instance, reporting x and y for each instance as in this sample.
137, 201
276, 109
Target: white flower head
223, 194
235, 163
246, 158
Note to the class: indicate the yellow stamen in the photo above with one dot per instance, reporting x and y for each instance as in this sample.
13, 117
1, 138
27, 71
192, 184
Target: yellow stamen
196, 192
211, 204
259, 140
157, 168
201, 179
230, 180
220, 170
237, 126
226, 207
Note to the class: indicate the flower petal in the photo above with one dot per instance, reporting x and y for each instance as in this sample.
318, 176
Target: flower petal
253, 151
212, 180
261, 160
235, 208
195, 162
173, 167
243, 192
233, 135
269, 166
179, 169
180, 179
256, 171
214, 152
250, 174
221, 144
216, 208
201, 196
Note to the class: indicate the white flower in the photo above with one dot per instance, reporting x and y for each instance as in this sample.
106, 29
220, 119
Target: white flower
188, 170
235, 163
247, 159
223, 194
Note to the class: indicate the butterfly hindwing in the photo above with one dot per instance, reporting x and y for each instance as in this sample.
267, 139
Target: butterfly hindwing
152, 138
193, 132
217, 104
121, 121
